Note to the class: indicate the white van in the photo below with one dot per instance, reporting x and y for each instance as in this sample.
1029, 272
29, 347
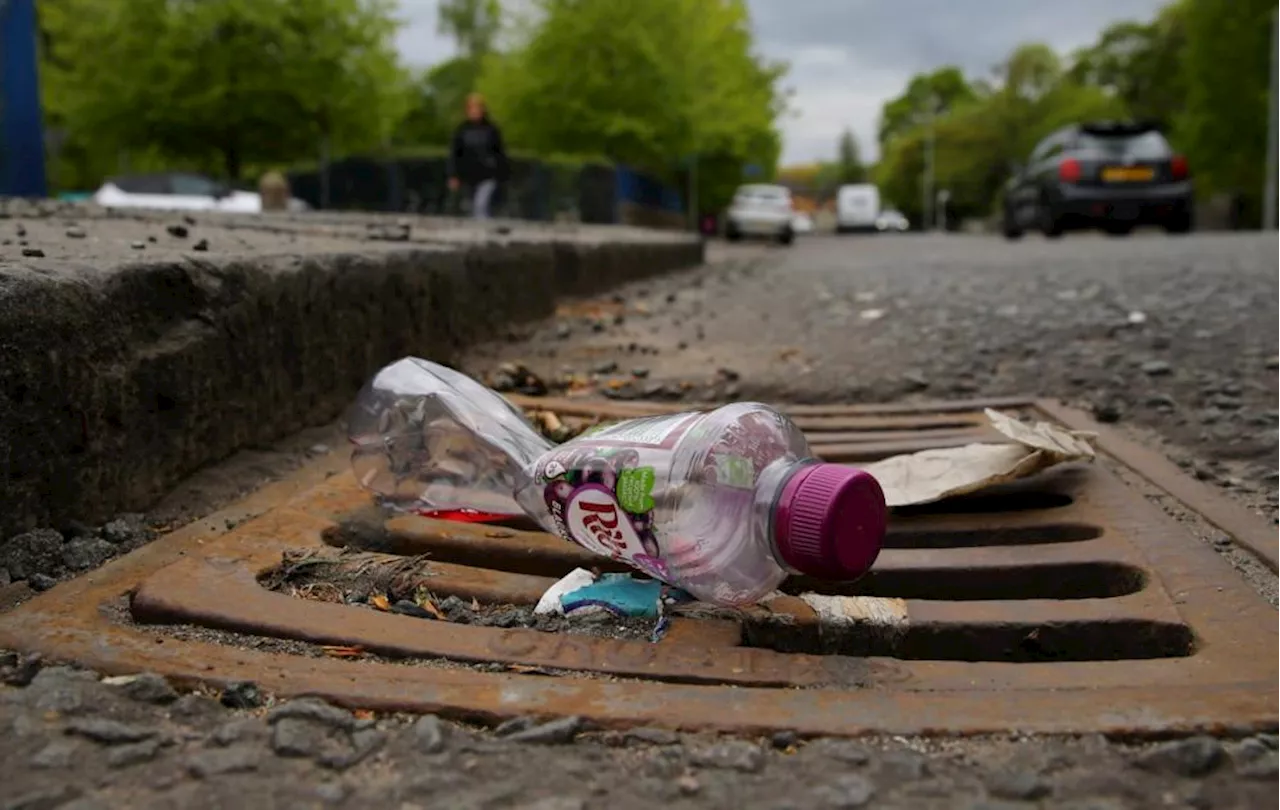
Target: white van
857, 207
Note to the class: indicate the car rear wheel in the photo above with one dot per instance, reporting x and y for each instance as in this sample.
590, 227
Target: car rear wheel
1050, 221
1009, 225
732, 233
786, 237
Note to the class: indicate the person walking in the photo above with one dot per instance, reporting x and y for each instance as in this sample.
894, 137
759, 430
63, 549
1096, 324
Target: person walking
477, 157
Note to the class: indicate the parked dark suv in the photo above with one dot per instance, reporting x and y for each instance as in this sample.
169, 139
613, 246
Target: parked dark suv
1112, 176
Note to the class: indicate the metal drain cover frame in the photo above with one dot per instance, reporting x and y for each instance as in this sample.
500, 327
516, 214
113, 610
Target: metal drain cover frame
1068, 604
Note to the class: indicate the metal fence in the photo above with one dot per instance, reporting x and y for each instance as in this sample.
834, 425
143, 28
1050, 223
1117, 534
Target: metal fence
534, 190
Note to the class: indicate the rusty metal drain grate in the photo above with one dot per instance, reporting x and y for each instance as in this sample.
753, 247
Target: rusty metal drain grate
1066, 603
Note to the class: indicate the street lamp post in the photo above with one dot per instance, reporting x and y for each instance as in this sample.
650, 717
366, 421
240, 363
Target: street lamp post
693, 191
930, 147
1269, 185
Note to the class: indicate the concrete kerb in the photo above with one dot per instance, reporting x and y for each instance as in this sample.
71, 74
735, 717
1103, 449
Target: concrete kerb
121, 379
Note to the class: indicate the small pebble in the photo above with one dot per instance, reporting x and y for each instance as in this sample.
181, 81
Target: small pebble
125, 756
555, 732
138, 245
241, 695
429, 734
109, 732
1192, 757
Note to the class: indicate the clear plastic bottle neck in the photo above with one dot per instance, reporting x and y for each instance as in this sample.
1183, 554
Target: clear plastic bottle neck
769, 485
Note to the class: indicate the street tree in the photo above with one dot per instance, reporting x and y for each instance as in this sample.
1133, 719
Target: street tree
473, 25
848, 159
1141, 64
1224, 122
225, 83
935, 93
648, 83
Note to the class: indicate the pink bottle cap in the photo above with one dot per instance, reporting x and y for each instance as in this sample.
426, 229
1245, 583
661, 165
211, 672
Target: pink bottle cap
830, 521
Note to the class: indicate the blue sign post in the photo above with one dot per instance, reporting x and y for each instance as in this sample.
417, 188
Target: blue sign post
22, 170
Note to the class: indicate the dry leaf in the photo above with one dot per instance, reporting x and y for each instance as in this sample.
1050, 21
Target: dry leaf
475, 604
339, 651
525, 669
380, 602
422, 598
363, 714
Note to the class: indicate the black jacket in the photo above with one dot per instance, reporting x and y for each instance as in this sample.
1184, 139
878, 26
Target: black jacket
477, 153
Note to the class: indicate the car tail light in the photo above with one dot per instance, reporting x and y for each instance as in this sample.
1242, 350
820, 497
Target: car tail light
1069, 170
1179, 167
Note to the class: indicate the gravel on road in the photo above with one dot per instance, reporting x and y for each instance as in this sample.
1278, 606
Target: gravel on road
1173, 339
69, 739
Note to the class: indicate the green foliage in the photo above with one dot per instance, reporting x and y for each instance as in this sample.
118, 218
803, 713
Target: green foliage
221, 83
473, 24
649, 83
1141, 64
1224, 124
941, 91
849, 168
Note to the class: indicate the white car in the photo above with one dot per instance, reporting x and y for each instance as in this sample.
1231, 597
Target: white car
857, 207
892, 221
180, 191
803, 223
762, 210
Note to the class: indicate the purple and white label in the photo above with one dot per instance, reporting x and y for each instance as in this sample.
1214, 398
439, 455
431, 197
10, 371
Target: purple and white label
595, 521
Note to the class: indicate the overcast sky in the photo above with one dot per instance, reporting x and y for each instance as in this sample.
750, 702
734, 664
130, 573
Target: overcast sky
848, 57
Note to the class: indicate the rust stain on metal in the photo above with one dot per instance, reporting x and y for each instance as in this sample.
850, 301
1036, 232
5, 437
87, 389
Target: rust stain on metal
1063, 604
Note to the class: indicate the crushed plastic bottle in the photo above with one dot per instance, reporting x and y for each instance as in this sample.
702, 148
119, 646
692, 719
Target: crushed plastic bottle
724, 504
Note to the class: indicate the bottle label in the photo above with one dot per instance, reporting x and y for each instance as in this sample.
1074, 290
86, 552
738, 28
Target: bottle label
596, 520
599, 488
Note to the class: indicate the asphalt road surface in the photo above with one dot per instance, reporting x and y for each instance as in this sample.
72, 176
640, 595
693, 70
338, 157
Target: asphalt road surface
1172, 338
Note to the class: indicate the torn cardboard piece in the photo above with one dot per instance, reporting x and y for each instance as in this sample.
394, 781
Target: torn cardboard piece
931, 475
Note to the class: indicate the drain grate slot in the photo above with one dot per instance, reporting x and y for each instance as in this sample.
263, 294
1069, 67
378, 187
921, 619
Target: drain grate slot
1014, 643
1064, 580
993, 504
1033, 535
